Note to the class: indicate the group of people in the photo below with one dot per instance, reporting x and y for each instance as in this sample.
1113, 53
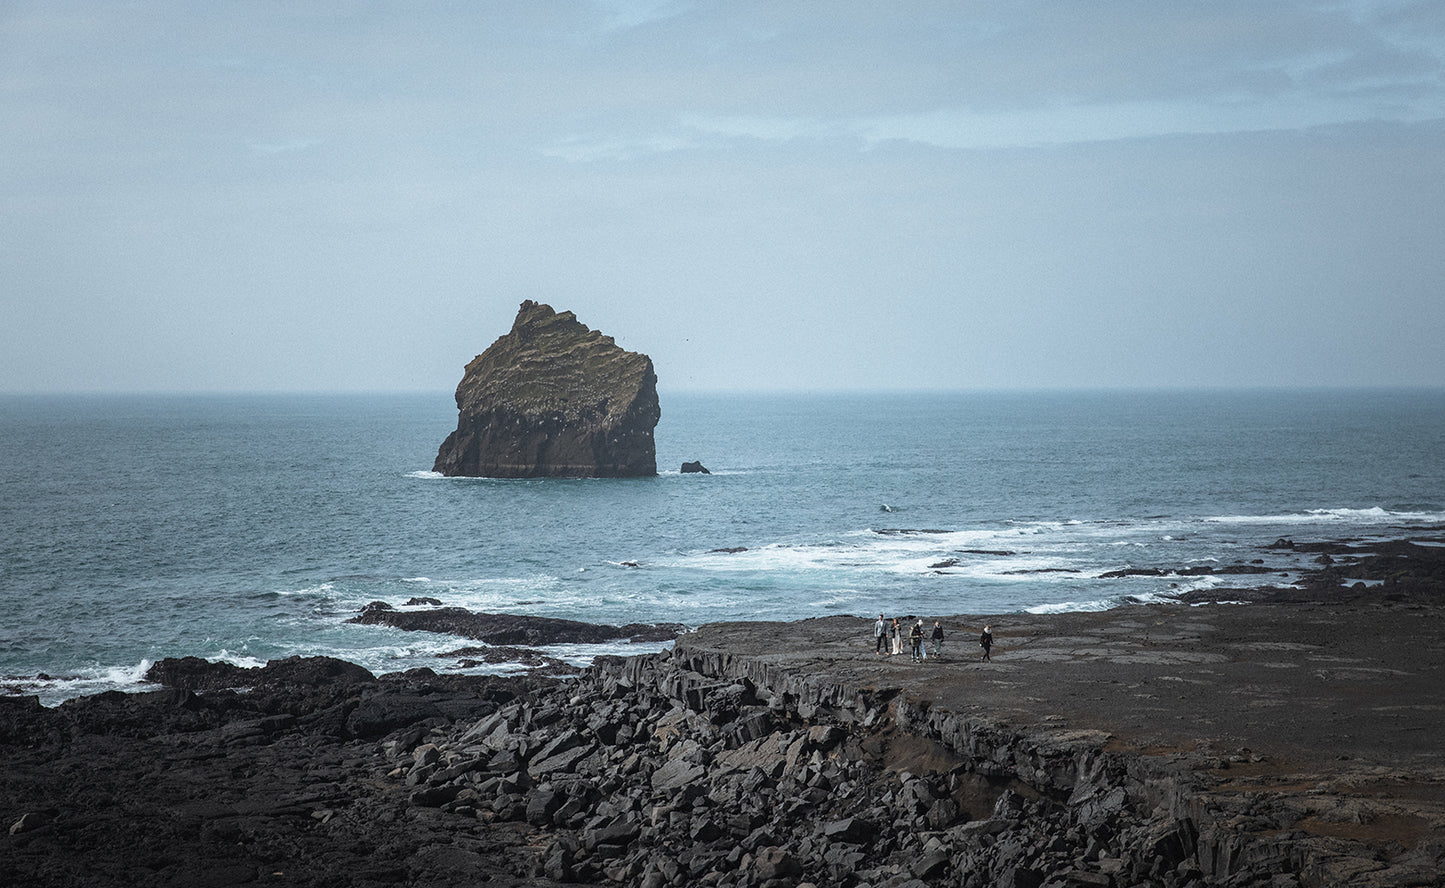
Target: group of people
889, 635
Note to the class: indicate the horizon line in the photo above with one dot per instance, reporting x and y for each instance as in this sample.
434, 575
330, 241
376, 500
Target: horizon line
898, 390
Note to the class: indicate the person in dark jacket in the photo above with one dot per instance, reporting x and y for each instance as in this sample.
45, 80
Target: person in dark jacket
985, 641
937, 639
915, 635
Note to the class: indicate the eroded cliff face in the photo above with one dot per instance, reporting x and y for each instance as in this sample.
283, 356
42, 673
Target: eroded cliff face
553, 398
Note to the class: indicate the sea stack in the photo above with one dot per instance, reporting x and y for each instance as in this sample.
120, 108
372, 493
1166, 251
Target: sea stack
554, 399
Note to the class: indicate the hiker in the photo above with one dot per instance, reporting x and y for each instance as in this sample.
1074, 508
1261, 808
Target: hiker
985, 641
937, 639
915, 635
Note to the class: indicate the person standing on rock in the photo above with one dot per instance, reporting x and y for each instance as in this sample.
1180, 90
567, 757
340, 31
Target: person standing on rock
915, 637
985, 641
937, 639
880, 632
896, 634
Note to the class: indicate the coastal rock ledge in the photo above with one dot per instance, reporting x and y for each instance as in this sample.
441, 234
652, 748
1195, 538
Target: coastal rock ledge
553, 398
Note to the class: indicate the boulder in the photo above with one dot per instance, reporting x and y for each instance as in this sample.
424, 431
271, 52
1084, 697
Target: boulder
694, 468
776, 863
850, 830
553, 398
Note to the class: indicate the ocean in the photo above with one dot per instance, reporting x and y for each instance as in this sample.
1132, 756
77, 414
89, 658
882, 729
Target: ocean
252, 527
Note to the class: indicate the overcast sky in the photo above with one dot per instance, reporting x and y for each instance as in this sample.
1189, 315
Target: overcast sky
798, 195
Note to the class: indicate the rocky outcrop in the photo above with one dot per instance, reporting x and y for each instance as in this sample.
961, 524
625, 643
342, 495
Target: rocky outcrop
739, 762
196, 674
278, 785
695, 468
510, 629
553, 398
706, 767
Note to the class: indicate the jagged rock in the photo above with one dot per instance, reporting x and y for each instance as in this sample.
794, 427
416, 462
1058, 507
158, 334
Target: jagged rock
542, 804
676, 774
694, 468
553, 398
931, 866
852, 830
776, 863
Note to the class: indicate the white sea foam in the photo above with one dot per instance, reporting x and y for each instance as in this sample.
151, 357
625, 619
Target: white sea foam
1373, 515
245, 661
425, 474
90, 680
1064, 607
321, 589
584, 654
1169, 597
1197, 584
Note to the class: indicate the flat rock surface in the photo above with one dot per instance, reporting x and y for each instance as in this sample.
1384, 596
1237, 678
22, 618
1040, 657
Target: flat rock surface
1347, 699
1314, 684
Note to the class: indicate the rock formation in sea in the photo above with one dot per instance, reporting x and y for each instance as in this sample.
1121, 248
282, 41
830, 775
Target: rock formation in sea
510, 629
553, 398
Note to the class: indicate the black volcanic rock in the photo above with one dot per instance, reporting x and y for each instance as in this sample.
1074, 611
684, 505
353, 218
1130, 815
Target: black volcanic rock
510, 629
195, 674
553, 398
695, 468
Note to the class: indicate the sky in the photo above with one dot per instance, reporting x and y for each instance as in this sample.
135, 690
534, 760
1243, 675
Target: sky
357, 196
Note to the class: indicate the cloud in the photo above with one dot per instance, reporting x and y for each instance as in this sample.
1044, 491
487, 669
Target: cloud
584, 149
624, 15
277, 175
988, 77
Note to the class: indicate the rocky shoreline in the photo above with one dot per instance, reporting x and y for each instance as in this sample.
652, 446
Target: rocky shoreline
1276, 744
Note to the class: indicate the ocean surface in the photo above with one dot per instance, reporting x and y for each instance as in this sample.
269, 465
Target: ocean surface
248, 528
